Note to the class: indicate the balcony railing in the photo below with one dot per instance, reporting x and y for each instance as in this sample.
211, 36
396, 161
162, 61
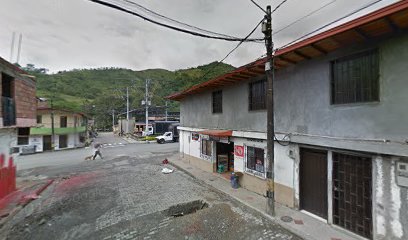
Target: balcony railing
8, 107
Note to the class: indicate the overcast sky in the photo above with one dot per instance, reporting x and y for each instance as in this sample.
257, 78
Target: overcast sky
67, 34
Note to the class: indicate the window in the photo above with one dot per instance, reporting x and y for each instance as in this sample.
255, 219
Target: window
255, 160
257, 95
39, 118
206, 147
63, 121
75, 121
23, 135
217, 102
355, 79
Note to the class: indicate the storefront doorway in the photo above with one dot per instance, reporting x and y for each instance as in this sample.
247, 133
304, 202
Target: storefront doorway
225, 157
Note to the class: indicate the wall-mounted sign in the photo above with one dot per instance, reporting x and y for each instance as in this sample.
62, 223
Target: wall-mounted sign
239, 151
254, 140
195, 136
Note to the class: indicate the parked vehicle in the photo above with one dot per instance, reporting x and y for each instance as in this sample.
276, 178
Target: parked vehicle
160, 127
171, 136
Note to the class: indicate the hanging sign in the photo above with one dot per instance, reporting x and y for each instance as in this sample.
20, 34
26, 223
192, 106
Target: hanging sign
239, 151
195, 136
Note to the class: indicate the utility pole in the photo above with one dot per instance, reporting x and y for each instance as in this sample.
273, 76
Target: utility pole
166, 111
127, 110
269, 68
113, 119
19, 47
147, 106
13, 39
52, 126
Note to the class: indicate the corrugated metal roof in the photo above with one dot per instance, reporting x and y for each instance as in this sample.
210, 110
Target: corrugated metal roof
387, 21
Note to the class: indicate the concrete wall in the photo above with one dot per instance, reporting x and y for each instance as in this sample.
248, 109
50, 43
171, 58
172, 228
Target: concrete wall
303, 109
391, 201
8, 139
46, 119
36, 141
196, 111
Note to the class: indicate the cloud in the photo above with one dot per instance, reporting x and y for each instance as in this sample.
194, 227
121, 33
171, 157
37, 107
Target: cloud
68, 34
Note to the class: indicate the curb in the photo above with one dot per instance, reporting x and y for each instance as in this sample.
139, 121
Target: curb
275, 220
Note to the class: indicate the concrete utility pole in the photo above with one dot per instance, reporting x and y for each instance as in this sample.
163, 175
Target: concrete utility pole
19, 47
267, 30
13, 39
147, 106
127, 110
113, 119
166, 112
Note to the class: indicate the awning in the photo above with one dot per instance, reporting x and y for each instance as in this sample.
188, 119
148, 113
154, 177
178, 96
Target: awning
217, 133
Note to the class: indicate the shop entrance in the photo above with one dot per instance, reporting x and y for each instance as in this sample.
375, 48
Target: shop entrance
225, 157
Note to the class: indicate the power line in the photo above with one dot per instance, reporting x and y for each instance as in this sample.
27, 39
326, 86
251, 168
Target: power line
110, 5
306, 16
173, 20
330, 23
256, 4
277, 7
238, 45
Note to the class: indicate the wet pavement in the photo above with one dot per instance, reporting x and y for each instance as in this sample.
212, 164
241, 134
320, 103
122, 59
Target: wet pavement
128, 197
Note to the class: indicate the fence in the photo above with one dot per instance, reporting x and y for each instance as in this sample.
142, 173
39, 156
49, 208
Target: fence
7, 176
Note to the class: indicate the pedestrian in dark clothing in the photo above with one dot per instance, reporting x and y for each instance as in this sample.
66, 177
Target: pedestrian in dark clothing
97, 151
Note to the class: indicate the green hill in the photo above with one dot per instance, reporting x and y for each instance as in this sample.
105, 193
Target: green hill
99, 91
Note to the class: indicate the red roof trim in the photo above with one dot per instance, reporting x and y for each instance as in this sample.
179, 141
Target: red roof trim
217, 133
373, 16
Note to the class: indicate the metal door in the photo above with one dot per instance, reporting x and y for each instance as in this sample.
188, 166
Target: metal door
313, 181
352, 193
47, 143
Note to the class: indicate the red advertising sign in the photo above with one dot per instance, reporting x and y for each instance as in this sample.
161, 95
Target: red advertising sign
239, 151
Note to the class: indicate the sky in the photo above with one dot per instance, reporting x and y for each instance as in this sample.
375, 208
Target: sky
77, 34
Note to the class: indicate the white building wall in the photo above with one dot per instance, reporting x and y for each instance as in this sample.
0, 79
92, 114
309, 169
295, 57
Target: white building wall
36, 141
72, 140
8, 139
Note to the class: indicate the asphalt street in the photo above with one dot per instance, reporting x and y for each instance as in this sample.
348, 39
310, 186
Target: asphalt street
125, 195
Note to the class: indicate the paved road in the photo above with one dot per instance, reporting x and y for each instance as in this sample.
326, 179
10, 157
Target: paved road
112, 146
126, 196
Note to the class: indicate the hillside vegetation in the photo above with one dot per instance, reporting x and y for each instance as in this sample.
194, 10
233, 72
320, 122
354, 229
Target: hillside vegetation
99, 91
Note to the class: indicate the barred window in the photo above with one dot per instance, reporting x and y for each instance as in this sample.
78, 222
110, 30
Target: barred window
255, 159
257, 95
206, 147
63, 121
355, 78
217, 102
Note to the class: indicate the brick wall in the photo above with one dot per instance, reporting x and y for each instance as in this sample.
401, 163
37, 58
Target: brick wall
26, 102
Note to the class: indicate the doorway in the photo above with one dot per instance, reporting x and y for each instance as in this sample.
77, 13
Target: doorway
47, 146
63, 141
225, 156
352, 201
313, 181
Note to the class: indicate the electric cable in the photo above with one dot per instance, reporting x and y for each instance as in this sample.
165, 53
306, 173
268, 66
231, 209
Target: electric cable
277, 7
330, 23
305, 16
173, 20
110, 5
235, 48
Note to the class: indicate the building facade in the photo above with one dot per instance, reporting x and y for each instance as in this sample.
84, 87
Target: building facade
18, 106
69, 128
341, 138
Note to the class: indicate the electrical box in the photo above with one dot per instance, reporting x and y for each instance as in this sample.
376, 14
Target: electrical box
402, 174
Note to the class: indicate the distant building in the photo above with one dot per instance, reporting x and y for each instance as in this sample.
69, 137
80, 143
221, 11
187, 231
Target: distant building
70, 129
18, 106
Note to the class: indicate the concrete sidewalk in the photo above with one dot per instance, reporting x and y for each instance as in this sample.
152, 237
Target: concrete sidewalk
302, 224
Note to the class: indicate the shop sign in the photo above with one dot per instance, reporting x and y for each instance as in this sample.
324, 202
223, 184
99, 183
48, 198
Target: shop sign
239, 151
205, 137
254, 140
195, 136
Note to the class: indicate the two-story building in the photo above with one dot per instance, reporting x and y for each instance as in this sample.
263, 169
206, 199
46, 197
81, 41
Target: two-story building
57, 129
341, 149
17, 106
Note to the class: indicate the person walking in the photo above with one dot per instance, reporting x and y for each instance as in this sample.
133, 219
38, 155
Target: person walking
97, 151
